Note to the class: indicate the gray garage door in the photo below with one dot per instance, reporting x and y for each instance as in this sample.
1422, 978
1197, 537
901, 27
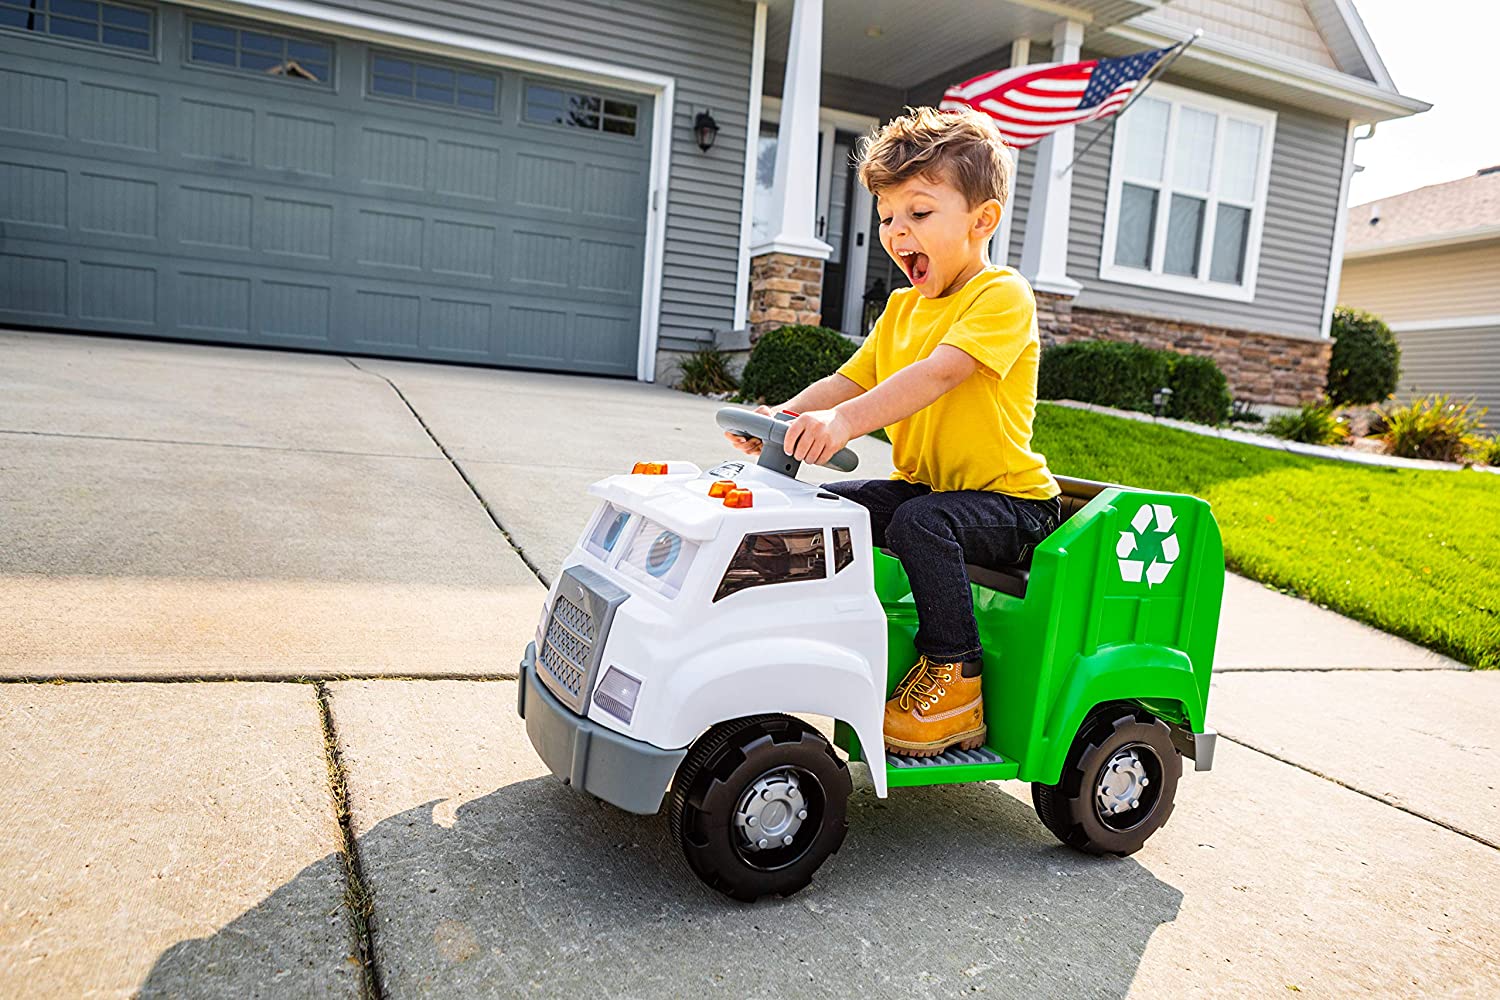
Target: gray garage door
172, 173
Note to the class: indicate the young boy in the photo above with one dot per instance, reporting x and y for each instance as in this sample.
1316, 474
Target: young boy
950, 372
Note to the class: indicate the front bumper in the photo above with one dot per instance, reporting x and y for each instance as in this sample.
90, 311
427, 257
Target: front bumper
621, 771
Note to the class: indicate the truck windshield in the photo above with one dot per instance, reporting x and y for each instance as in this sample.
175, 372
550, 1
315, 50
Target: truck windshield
658, 557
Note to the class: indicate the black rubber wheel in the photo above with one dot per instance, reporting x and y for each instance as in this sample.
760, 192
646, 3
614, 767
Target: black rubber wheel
738, 802
1117, 785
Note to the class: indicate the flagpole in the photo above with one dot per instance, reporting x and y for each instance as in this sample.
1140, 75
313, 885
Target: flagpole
1150, 78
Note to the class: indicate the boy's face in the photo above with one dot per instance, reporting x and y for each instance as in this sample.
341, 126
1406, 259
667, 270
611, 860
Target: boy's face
928, 228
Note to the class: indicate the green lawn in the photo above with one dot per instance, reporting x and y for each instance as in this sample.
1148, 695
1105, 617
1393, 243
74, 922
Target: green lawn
1414, 553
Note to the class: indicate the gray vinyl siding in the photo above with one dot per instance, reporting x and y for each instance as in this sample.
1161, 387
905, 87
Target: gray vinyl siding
859, 97
1307, 162
1464, 364
705, 46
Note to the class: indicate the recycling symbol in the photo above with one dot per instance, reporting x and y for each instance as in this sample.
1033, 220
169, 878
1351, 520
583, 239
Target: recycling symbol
1132, 562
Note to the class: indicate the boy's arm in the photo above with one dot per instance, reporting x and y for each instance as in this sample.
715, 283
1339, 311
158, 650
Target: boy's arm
817, 434
824, 394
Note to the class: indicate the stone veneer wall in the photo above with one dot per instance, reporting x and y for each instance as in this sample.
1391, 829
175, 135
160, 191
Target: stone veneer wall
1264, 368
784, 288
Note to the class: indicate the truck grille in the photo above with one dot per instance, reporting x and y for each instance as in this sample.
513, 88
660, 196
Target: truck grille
568, 647
577, 627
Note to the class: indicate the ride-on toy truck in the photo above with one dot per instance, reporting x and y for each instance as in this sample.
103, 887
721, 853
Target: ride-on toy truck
699, 610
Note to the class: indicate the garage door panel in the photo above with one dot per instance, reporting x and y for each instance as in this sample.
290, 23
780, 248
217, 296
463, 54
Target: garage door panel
173, 198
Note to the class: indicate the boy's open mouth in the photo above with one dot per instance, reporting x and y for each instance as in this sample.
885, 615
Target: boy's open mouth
915, 262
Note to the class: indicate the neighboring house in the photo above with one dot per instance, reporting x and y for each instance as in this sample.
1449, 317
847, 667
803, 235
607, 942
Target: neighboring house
522, 183
1428, 263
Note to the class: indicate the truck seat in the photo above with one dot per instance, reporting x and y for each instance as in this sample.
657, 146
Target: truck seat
1012, 580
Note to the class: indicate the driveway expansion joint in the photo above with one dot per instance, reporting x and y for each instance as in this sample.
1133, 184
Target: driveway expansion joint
494, 518
359, 902
1360, 791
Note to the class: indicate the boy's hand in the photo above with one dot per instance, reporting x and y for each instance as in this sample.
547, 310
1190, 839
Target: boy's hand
748, 445
815, 437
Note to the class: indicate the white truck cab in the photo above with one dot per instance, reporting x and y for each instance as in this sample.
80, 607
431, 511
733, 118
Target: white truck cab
693, 598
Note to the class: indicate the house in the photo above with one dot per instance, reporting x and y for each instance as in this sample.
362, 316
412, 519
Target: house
600, 187
1428, 263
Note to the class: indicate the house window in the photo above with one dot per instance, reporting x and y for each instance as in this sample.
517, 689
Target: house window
263, 53
110, 25
1187, 194
434, 83
555, 106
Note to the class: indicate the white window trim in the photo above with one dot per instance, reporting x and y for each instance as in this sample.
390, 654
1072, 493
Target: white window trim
1201, 286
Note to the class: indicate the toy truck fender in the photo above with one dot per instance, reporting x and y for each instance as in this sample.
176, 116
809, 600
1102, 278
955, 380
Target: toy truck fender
738, 679
1141, 673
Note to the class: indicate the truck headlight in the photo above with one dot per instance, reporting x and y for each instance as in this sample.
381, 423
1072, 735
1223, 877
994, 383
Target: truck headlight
616, 694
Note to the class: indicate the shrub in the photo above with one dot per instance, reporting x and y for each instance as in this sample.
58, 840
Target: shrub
1366, 361
1106, 372
789, 359
706, 371
1434, 427
1314, 423
1200, 392
1490, 453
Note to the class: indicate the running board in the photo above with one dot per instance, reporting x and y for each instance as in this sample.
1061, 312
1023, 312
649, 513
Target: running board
948, 758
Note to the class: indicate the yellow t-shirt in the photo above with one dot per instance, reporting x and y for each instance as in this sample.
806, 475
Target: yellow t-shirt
977, 435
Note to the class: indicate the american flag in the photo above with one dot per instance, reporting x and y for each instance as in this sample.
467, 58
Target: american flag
1028, 102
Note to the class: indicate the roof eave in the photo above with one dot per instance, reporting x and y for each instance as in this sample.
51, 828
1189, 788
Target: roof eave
1293, 81
1478, 234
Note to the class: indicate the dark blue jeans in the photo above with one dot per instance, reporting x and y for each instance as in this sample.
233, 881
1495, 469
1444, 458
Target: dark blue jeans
935, 534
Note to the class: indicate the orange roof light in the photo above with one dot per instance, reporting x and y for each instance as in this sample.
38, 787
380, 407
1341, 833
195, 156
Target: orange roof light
649, 469
721, 487
739, 498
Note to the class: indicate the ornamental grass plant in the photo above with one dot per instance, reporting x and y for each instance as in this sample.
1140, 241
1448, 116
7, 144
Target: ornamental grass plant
1312, 423
1438, 428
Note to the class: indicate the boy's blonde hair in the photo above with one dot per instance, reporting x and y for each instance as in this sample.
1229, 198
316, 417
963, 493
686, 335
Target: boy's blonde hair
963, 148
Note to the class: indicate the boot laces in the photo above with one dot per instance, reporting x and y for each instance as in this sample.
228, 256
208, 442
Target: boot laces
923, 685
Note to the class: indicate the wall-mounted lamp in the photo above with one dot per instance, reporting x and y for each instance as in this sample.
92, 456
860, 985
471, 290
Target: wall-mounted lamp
706, 130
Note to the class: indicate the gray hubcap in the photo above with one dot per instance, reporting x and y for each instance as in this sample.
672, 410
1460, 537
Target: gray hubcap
771, 811
1121, 783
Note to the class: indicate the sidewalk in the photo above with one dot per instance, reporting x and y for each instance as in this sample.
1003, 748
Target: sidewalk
208, 541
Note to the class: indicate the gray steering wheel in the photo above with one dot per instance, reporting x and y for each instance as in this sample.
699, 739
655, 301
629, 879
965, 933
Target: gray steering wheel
771, 432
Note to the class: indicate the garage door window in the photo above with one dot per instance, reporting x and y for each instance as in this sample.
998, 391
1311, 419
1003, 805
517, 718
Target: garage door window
432, 83
260, 52
555, 106
110, 25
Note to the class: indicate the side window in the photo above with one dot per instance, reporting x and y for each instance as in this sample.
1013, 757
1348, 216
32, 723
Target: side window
843, 549
774, 557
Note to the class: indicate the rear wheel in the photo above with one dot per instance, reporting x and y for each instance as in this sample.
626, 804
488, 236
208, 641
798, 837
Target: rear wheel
1117, 786
758, 805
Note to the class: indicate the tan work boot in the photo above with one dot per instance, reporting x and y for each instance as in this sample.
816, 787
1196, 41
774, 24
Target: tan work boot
935, 708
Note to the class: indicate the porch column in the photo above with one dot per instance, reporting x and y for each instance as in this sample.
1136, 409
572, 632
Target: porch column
786, 269
1044, 251
1020, 55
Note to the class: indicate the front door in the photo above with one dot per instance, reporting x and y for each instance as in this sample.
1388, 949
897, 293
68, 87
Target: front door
844, 211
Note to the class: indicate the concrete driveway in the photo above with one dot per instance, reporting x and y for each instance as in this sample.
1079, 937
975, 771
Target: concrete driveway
259, 618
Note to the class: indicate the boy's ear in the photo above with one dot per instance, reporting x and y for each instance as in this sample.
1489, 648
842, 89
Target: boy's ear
987, 218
